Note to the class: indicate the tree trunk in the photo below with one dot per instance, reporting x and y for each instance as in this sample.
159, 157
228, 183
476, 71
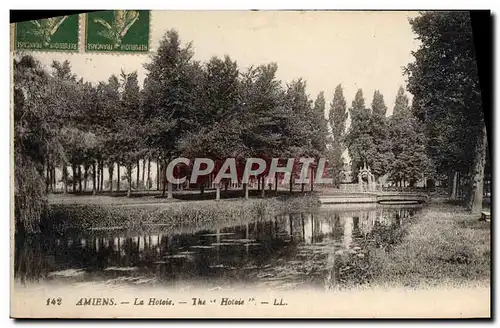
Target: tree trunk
79, 178
158, 175
85, 176
98, 176
449, 182
169, 193
138, 175
51, 179
118, 178
129, 178
94, 175
73, 169
102, 176
245, 190
276, 182
149, 174
110, 171
143, 173
461, 193
202, 190
47, 176
258, 183
476, 203
217, 191
263, 189
291, 183
47, 179
65, 177
54, 182
226, 185
302, 187
454, 185
164, 178
313, 172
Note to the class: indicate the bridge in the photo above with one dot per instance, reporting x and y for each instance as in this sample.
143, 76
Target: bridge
389, 198
401, 197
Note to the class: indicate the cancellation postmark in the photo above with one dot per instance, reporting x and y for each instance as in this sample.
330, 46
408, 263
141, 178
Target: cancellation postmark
50, 34
117, 31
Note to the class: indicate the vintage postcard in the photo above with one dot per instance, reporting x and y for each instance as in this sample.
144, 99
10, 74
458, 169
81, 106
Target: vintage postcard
249, 164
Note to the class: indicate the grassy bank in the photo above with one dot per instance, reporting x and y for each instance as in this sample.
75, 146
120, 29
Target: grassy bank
155, 196
445, 245
174, 216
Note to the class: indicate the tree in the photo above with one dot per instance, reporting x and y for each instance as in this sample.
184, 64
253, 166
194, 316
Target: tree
169, 98
338, 115
217, 134
321, 135
447, 99
359, 139
337, 119
302, 137
35, 136
382, 156
408, 141
261, 101
108, 112
130, 126
65, 85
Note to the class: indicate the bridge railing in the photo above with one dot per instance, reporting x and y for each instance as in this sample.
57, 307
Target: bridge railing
405, 189
350, 188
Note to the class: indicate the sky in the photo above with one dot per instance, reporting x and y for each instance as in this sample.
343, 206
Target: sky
364, 50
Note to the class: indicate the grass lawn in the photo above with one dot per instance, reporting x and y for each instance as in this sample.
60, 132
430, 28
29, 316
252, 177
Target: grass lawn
154, 197
175, 216
445, 245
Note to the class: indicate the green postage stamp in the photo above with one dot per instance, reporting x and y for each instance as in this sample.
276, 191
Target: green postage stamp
117, 31
52, 34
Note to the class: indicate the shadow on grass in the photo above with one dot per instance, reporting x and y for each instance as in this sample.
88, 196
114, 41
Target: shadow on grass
186, 195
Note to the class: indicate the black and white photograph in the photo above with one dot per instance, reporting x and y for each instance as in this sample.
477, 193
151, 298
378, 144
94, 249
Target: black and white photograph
249, 164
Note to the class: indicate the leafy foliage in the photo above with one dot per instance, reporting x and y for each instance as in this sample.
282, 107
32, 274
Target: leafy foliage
337, 118
447, 97
443, 80
410, 162
35, 135
359, 140
382, 156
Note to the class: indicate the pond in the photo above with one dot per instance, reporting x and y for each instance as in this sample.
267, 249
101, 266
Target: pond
328, 248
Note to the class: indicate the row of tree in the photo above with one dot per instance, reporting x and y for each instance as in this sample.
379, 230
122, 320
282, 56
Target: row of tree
444, 83
185, 108
193, 109
394, 147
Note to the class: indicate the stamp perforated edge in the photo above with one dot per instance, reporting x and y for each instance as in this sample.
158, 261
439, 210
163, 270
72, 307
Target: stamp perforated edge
12, 36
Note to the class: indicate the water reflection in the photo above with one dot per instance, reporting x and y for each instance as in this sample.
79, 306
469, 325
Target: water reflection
323, 248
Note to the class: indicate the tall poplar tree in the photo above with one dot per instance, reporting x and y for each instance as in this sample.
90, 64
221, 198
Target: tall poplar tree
337, 118
359, 139
408, 144
382, 156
